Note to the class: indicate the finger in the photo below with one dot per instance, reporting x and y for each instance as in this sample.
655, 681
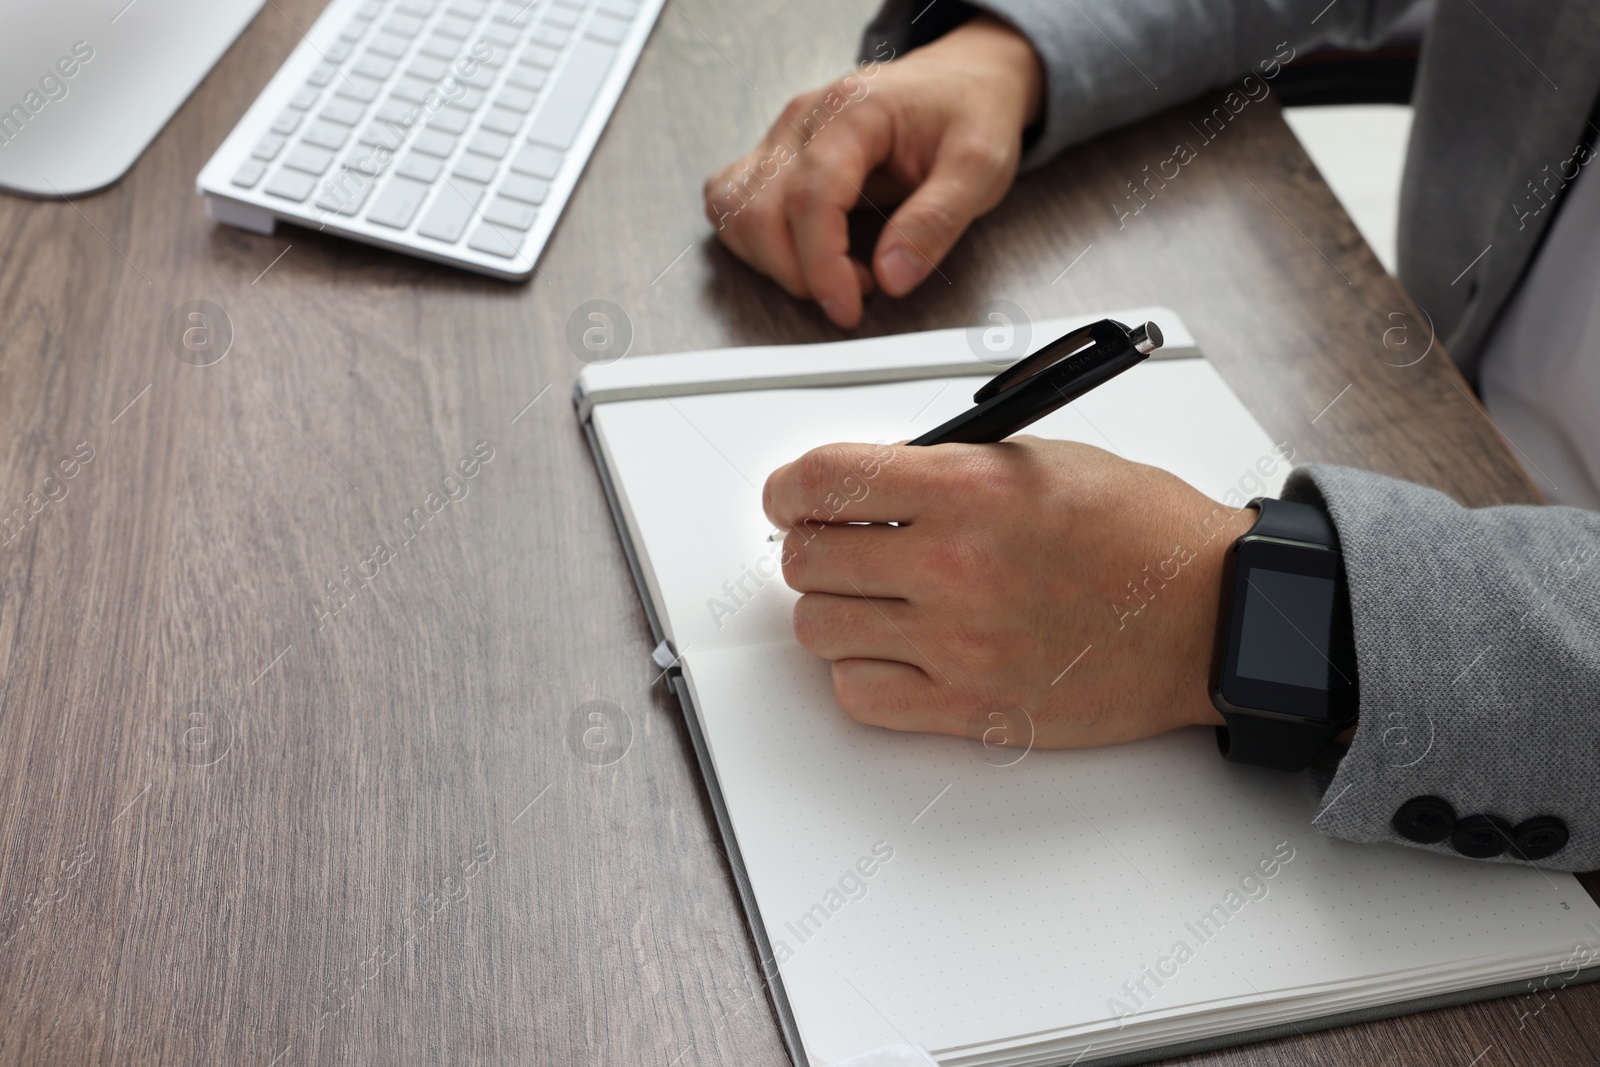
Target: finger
968, 177
843, 483
894, 695
853, 627
825, 186
863, 277
854, 561
747, 212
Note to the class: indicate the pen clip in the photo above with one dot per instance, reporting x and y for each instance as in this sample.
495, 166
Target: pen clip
1105, 333
1042, 360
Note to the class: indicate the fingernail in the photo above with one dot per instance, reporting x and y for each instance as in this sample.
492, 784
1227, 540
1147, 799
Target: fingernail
834, 310
901, 272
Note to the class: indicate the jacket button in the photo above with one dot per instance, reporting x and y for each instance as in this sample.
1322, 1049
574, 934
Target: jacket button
1425, 820
1539, 837
1481, 836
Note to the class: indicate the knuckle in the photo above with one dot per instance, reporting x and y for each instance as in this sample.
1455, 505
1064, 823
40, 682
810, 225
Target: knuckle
958, 559
982, 155
806, 624
854, 696
976, 650
817, 470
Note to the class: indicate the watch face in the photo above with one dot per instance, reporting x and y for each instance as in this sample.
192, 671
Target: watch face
1281, 631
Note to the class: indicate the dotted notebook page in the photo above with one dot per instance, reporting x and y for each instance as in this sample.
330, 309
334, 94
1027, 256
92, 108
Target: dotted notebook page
914, 890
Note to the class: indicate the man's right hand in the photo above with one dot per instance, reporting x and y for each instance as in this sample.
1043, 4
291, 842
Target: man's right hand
944, 121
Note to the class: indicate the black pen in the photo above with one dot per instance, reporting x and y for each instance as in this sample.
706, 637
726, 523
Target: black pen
1051, 378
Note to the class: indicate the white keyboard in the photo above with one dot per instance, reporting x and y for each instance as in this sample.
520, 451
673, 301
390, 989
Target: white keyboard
454, 130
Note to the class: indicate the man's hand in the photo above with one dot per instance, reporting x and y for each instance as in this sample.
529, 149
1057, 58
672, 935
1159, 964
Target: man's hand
945, 121
1042, 575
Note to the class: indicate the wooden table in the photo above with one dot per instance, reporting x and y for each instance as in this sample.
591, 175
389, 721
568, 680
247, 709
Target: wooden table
236, 831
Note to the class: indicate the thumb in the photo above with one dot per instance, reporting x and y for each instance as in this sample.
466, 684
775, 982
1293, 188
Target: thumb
967, 179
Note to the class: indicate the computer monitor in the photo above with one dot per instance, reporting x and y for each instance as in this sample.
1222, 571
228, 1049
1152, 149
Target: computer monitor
85, 85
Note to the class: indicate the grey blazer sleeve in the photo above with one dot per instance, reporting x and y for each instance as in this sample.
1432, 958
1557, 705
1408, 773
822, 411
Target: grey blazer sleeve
1478, 650
1110, 62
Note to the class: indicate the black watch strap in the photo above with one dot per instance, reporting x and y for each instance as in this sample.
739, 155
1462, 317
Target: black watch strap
1292, 521
1282, 744
1275, 743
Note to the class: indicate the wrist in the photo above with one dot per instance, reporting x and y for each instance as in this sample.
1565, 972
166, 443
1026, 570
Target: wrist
1199, 710
1005, 50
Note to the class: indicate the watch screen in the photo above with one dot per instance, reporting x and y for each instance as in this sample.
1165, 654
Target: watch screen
1285, 629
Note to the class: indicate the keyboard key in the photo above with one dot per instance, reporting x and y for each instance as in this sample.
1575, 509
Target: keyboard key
485, 143
496, 58
355, 29
321, 75
521, 187
529, 78
304, 97
622, 9
500, 120
515, 12
496, 241
504, 212
451, 26
568, 103
481, 78
607, 29
427, 68
403, 26
440, 47
249, 172
564, 17
382, 135
469, 9
422, 168
539, 56
467, 99
413, 89
291, 185
420, 8
309, 158
397, 205
374, 66
500, 34
447, 219
269, 146
368, 161
344, 112
338, 51
326, 135
514, 99
345, 192
537, 161
355, 87
287, 121
371, 9
449, 120
475, 168
551, 36
398, 111
434, 143
388, 46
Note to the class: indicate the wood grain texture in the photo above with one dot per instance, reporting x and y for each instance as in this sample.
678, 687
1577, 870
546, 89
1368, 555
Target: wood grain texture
234, 832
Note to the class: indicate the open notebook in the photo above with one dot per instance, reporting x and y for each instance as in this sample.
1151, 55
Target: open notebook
1069, 907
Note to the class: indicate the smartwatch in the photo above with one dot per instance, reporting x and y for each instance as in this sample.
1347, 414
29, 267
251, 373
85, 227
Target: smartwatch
1284, 673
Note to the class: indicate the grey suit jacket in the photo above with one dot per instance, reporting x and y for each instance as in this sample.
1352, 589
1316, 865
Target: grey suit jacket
1477, 631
